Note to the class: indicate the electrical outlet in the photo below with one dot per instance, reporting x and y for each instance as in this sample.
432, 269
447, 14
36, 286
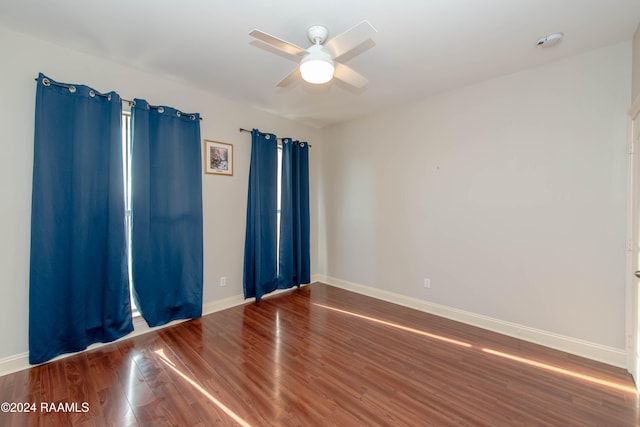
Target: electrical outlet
223, 281
427, 282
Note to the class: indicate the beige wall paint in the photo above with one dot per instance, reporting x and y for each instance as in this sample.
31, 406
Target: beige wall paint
224, 198
636, 65
509, 195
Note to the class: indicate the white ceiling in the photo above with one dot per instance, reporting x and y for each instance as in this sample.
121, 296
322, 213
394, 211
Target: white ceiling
422, 46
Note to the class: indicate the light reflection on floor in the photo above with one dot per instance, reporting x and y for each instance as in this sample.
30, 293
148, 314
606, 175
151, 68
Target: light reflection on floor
397, 326
562, 371
197, 386
529, 362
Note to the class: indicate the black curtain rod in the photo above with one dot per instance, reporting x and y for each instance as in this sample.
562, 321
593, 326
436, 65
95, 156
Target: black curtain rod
246, 130
128, 101
279, 139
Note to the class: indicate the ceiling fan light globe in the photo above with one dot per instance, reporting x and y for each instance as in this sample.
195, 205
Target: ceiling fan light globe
317, 71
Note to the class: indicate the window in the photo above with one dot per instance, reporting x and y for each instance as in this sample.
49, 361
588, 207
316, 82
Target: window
279, 207
126, 168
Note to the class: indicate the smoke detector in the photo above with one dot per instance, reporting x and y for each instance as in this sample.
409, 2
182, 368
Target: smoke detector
550, 39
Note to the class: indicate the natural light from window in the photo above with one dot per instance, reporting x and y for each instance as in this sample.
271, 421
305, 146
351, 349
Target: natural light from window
519, 359
235, 417
126, 168
279, 207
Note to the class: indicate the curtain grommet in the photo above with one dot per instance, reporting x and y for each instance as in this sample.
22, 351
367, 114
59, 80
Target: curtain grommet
160, 110
46, 82
267, 137
178, 114
92, 94
72, 89
192, 117
109, 97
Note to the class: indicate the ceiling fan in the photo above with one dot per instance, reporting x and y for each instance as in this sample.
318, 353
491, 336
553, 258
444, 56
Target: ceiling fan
321, 61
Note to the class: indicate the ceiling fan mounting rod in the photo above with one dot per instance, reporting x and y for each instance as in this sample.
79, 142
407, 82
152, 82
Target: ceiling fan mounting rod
317, 34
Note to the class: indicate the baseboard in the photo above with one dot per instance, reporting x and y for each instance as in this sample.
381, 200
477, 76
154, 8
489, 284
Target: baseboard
14, 363
20, 362
600, 353
609, 355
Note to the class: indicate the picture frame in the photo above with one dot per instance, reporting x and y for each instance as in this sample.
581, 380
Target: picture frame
218, 158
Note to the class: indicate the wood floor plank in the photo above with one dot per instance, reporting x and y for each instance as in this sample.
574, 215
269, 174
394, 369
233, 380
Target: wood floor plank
323, 356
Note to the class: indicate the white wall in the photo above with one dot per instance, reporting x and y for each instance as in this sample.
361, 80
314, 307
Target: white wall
224, 197
509, 195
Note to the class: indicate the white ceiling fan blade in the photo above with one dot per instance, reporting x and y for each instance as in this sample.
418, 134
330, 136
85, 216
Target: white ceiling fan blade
277, 43
354, 36
349, 76
290, 78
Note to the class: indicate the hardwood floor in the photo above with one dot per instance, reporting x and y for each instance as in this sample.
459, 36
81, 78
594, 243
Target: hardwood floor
321, 356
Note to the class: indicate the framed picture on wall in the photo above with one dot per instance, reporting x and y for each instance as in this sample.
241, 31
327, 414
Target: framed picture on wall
218, 158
